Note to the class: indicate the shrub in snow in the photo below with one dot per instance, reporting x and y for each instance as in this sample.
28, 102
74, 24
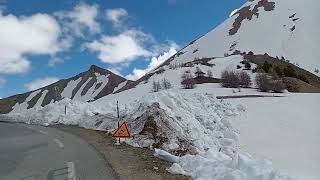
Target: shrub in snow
265, 84
231, 79
209, 73
199, 73
277, 86
156, 86
316, 70
238, 67
166, 84
187, 80
291, 85
245, 80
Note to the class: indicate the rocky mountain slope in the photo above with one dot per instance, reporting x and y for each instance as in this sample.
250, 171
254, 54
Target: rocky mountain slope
87, 86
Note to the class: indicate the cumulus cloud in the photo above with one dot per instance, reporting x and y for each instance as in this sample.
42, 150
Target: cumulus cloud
121, 48
233, 12
155, 62
81, 19
54, 61
39, 83
39, 34
115, 70
116, 15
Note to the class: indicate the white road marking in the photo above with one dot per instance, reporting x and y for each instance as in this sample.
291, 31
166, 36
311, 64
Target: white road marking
71, 171
43, 132
60, 144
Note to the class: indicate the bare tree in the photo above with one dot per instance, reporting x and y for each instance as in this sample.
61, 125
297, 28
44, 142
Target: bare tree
230, 79
209, 73
199, 73
166, 84
156, 86
187, 80
245, 80
277, 86
266, 83
263, 82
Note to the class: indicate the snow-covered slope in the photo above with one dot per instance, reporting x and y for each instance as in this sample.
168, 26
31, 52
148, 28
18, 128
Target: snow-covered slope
284, 130
87, 86
283, 28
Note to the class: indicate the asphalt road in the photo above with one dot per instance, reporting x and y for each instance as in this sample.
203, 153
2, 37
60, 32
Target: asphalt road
42, 153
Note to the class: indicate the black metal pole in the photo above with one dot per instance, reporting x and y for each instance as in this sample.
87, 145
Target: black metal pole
118, 117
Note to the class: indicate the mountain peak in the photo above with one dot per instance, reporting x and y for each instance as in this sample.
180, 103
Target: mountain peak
95, 68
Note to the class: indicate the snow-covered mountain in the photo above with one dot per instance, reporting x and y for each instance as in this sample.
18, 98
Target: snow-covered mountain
87, 86
283, 28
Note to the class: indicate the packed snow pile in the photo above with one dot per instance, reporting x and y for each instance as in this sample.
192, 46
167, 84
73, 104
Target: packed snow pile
195, 127
191, 122
219, 166
175, 121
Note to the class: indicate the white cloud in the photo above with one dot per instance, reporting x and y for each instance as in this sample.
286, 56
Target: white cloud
233, 12
115, 70
81, 18
54, 61
39, 34
116, 15
155, 62
39, 83
121, 48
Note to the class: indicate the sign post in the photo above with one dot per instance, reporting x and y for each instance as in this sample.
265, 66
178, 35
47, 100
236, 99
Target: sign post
118, 118
122, 131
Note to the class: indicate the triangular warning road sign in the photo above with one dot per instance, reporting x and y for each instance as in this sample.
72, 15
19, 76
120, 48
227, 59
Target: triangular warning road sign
122, 131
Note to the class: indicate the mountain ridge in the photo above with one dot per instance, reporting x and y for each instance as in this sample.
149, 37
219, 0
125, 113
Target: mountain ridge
89, 85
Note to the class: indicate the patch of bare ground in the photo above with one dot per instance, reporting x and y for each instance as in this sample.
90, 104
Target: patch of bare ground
248, 12
129, 163
245, 96
296, 85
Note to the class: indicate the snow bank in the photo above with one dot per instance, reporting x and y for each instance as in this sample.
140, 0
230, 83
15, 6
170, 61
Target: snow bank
76, 113
198, 121
196, 126
219, 166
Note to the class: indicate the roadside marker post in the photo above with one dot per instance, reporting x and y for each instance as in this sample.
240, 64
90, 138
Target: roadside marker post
122, 130
118, 118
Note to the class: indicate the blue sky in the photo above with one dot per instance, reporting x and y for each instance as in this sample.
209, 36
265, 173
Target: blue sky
43, 41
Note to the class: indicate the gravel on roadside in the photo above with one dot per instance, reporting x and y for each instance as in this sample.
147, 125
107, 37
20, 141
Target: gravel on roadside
129, 163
